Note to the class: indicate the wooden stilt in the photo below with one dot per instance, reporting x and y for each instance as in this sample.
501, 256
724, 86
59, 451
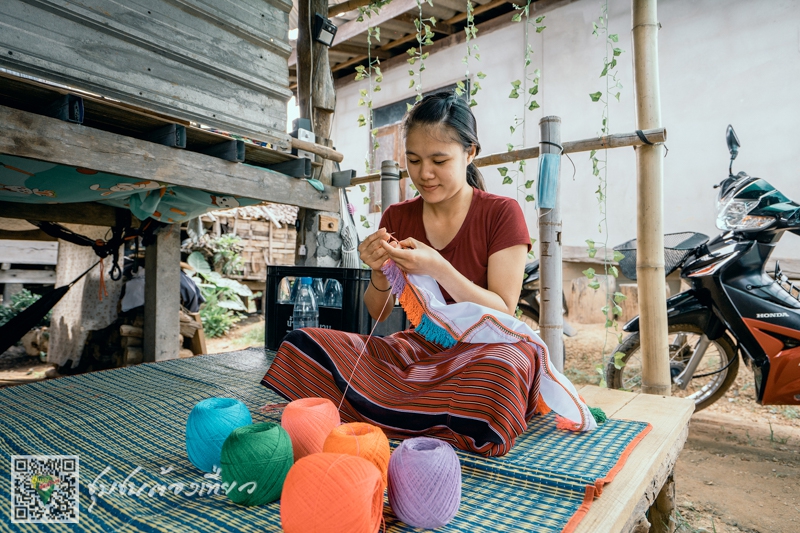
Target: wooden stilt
649, 208
162, 296
551, 323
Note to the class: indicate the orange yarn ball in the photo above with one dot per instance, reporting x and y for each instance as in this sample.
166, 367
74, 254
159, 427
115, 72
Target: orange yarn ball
308, 422
362, 440
332, 493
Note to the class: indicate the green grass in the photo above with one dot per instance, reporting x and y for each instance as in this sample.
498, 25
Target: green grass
252, 337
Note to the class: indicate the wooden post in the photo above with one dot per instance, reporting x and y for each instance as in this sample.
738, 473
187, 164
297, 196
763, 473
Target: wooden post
162, 296
316, 97
551, 323
649, 207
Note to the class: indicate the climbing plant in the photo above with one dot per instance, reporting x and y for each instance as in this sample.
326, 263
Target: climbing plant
372, 73
416, 55
611, 310
528, 88
473, 50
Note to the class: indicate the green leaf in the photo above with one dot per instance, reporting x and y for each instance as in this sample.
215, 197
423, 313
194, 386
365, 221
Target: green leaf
617, 310
530, 198
614, 38
529, 184
365, 224
516, 84
410, 83
590, 243
481, 75
366, 200
514, 94
594, 284
361, 102
540, 29
617, 51
411, 72
540, 19
619, 362
596, 96
411, 51
617, 96
425, 56
592, 252
592, 154
589, 273
235, 305
533, 105
605, 70
409, 107
198, 262
362, 121
363, 218
507, 180
363, 187
618, 256
412, 60
363, 92
459, 91
534, 90
473, 102
510, 146
614, 271
503, 171
513, 129
517, 17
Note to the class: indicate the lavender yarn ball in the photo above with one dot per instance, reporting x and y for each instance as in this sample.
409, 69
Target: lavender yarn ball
424, 482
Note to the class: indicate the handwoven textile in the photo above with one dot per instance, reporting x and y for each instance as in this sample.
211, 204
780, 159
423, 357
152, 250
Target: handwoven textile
130, 423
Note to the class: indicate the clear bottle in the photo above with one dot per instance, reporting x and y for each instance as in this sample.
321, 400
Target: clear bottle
305, 313
333, 293
319, 291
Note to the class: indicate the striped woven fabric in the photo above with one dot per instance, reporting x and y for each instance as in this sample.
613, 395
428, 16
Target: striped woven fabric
127, 426
478, 397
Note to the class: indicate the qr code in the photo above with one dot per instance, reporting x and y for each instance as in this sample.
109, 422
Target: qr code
44, 489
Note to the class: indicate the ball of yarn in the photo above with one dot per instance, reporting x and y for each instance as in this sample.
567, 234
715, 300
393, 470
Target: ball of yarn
424, 482
362, 440
209, 424
308, 421
255, 460
332, 493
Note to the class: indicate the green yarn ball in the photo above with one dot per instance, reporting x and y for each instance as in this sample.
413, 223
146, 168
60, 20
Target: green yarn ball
598, 414
254, 462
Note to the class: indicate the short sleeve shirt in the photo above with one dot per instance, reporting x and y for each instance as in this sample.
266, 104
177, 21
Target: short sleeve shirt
493, 223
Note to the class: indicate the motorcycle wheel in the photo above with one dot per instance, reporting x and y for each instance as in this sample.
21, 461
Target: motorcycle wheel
704, 389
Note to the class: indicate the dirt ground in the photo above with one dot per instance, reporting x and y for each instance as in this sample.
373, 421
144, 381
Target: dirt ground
739, 471
740, 468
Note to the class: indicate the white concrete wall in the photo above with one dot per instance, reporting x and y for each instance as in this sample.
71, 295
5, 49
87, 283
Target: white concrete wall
721, 62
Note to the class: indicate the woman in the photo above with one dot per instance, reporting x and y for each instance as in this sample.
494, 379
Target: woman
479, 397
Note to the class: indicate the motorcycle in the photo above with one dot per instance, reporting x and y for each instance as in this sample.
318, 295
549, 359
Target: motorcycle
529, 300
733, 306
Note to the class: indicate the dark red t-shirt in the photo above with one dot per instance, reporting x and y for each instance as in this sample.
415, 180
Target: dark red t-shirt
493, 223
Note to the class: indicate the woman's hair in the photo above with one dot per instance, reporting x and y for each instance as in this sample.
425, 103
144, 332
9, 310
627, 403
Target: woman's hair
449, 110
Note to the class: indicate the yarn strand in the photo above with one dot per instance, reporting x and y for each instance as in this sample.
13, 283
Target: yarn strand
364, 349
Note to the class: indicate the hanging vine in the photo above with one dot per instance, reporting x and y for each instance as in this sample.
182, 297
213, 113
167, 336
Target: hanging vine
473, 50
511, 176
613, 88
424, 38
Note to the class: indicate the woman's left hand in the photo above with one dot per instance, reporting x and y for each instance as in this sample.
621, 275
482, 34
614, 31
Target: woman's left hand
415, 257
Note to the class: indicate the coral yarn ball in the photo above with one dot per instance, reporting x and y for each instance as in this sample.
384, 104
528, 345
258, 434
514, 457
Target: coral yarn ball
255, 460
209, 424
362, 440
308, 422
425, 482
332, 493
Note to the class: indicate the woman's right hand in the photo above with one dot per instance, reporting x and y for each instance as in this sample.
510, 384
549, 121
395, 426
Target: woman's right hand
371, 251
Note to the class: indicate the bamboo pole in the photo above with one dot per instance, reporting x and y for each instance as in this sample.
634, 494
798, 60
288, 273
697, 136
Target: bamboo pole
551, 319
649, 206
618, 140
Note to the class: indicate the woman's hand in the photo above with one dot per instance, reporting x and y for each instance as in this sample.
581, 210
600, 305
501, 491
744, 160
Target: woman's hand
371, 250
415, 257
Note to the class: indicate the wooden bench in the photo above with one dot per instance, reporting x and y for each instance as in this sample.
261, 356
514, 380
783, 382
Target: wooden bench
645, 482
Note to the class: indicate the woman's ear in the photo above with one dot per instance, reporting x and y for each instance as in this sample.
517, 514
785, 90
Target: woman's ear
471, 153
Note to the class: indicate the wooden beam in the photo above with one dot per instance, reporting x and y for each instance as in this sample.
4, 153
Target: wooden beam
650, 203
317, 149
344, 7
618, 140
46, 139
29, 235
355, 61
440, 27
357, 49
90, 213
29, 252
162, 285
43, 277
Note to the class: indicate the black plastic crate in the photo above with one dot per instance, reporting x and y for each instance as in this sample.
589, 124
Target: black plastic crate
353, 316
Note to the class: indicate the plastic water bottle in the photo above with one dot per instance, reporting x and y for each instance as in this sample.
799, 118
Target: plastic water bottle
305, 313
333, 293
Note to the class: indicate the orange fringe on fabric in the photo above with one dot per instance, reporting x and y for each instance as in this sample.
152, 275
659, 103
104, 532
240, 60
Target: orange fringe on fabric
541, 407
564, 423
411, 306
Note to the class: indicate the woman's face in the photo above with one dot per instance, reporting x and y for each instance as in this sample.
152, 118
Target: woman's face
436, 164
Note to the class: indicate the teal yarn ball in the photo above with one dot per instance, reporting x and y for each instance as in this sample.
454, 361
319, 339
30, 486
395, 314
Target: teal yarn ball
209, 424
255, 460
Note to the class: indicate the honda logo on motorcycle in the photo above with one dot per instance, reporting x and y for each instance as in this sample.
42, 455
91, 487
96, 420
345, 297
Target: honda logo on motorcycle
772, 315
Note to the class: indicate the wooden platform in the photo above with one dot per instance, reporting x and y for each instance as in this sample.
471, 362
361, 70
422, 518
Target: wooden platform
624, 502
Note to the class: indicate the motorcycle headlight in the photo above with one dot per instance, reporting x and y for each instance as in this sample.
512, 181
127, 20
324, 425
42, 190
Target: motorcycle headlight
733, 215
